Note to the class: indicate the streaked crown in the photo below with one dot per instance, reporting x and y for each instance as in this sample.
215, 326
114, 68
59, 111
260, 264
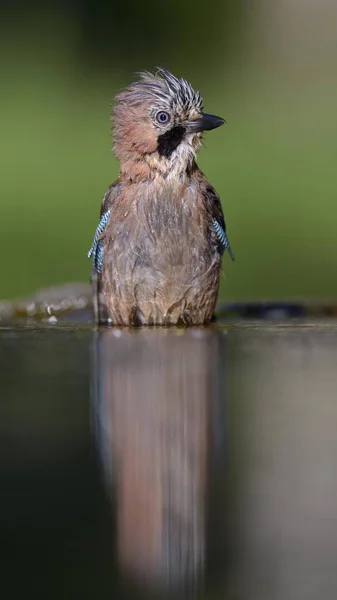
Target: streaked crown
164, 90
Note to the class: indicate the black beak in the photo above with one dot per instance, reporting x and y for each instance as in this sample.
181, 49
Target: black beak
205, 123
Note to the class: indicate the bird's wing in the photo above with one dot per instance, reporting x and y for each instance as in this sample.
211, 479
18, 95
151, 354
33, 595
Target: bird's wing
222, 238
110, 195
218, 225
96, 251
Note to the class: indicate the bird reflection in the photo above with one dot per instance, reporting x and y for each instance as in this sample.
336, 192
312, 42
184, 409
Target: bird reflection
154, 395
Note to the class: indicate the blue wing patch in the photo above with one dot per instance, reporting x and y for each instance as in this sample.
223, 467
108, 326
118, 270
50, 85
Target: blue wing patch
96, 250
222, 238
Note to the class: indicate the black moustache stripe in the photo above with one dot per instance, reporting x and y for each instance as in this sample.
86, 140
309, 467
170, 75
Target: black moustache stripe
170, 140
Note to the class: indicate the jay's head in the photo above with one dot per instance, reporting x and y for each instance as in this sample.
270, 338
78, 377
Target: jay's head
159, 119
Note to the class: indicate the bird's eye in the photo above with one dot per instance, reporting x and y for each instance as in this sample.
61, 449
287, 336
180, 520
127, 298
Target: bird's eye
162, 117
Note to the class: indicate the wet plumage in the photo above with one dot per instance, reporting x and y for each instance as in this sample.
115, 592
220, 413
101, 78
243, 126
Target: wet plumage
157, 249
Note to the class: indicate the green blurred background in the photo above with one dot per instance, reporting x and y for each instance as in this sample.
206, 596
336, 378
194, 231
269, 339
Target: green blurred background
269, 68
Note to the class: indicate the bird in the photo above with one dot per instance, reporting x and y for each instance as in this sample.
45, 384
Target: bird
157, 250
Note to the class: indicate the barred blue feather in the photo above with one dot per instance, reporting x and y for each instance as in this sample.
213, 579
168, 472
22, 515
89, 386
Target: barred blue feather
96, 249
222, 238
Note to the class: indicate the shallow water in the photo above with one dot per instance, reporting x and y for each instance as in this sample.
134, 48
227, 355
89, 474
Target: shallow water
152, 463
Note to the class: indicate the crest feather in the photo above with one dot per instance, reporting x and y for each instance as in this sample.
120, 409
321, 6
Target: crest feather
163, 88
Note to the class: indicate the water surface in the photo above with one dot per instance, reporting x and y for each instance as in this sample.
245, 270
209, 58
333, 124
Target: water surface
179, 463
